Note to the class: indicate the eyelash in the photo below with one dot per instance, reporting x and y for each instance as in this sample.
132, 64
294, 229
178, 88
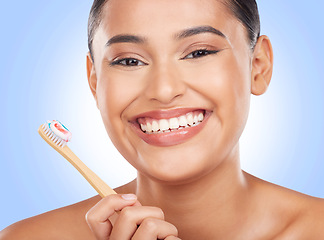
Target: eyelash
119, 62
203, 52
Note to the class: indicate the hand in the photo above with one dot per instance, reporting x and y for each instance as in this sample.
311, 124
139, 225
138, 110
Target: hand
134, 221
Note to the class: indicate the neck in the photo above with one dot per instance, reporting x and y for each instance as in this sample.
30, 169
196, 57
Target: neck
201, 205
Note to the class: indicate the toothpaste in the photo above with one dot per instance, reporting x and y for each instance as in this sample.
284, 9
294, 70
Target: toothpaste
60, 130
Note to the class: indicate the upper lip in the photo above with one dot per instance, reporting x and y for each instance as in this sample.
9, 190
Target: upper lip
165, 114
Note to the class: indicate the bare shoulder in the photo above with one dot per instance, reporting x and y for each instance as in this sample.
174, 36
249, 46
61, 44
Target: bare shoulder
67, 223
293, 215
308, 223
63, 223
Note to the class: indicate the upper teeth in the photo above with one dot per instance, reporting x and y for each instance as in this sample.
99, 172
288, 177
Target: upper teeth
163, 125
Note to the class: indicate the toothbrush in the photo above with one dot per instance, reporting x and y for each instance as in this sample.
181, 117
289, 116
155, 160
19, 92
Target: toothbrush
57, 135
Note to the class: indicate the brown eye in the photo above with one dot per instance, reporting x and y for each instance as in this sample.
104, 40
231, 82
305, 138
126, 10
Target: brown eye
128, 62
199, 53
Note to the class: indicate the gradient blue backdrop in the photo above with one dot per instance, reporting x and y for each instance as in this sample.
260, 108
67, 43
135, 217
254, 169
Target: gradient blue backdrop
42, 74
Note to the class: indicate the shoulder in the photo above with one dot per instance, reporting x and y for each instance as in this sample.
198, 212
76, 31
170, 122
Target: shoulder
293, 215
308, 223
68, 221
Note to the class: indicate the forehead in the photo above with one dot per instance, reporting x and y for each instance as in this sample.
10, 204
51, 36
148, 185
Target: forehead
160, 17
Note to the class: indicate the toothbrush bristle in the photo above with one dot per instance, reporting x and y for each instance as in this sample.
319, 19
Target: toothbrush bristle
51, 135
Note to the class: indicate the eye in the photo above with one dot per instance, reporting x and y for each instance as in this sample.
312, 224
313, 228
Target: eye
200, 53
128, 62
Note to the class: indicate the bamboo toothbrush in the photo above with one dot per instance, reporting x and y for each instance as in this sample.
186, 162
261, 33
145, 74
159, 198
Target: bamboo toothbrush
57, 135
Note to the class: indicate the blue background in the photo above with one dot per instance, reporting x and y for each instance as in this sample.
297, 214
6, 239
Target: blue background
43, 76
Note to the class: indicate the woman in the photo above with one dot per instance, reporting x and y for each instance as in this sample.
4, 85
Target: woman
172, 80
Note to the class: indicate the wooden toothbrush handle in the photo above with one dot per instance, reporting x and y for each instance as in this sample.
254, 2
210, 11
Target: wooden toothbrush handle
100, 186
97, 183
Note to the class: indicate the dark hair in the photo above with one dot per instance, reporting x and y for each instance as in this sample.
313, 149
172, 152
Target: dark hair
94, 20
246, 11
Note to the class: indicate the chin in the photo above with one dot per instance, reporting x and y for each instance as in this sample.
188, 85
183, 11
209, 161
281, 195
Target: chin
175, 172
178, 179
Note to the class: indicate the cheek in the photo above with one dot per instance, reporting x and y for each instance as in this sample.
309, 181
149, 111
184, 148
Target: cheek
114, 94
115, 91
226, 83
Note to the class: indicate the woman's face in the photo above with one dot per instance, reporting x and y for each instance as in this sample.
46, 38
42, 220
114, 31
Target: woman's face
165, 64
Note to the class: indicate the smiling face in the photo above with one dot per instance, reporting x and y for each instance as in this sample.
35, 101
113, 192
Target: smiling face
172, 80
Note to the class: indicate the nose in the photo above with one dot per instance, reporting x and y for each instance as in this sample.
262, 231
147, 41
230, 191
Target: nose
164, 84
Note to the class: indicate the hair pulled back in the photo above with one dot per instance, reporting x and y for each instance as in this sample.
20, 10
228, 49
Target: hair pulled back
246, 11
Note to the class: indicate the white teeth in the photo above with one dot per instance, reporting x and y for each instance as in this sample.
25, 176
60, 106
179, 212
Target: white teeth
200, 117
182, 121
164, 125
190, 119
143, 127
155, 126
174, 123
149, 127
195, 119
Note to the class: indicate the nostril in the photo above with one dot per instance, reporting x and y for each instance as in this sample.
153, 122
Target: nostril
165, 85
166, 98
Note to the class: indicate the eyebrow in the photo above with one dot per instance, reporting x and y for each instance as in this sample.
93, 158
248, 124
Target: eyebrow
198, 30
127, 38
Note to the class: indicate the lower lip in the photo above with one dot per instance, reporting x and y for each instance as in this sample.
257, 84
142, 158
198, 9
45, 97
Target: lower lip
170, 138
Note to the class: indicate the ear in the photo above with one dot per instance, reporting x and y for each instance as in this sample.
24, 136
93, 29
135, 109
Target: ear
92, 77
262, 65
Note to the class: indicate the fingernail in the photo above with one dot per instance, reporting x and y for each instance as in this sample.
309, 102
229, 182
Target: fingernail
129, 197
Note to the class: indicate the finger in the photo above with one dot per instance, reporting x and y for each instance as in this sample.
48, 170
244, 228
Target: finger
129, 219
172, 238
115, 216
98, 216
152, 229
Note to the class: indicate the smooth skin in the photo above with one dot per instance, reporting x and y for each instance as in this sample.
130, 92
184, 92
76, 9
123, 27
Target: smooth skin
196, 189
